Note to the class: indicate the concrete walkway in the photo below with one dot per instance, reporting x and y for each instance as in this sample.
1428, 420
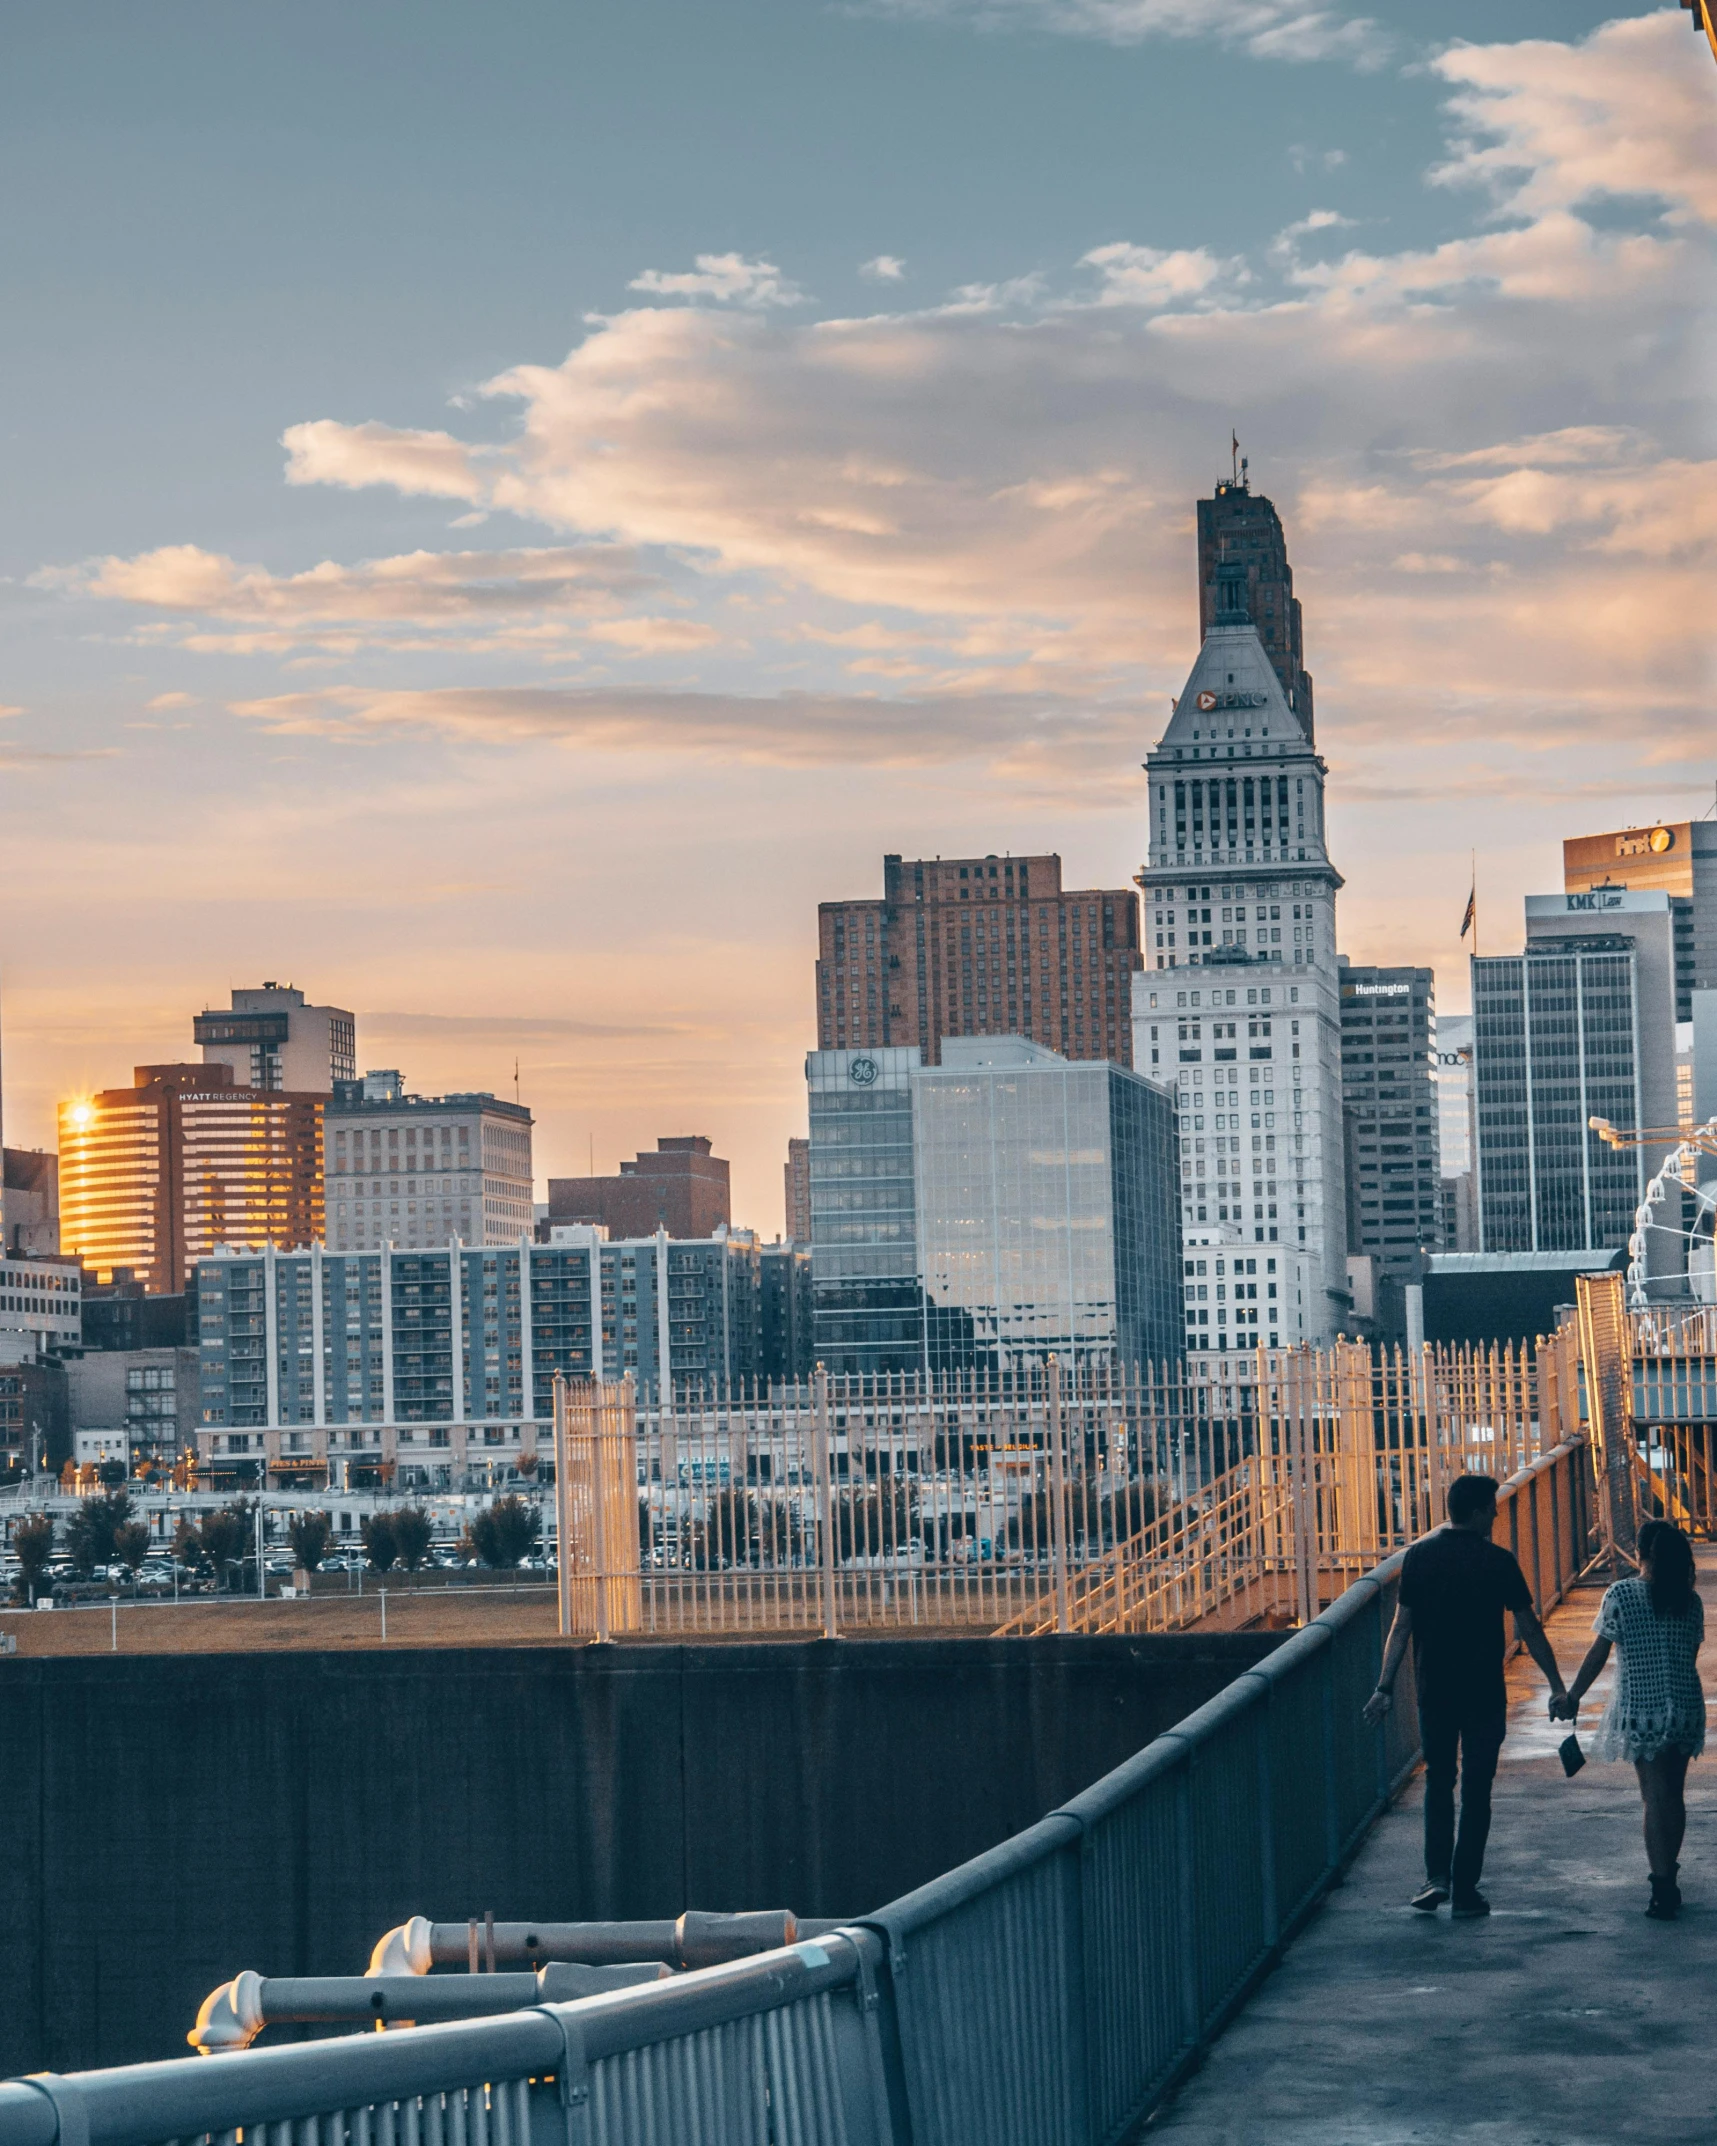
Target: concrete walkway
1566, 2019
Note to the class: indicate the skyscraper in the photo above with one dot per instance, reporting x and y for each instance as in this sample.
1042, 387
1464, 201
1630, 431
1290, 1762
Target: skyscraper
1389, 1100
1242, 1008
1241, 526
1580, 1025
272, 1039
153, 1177
978, 946
1677, 859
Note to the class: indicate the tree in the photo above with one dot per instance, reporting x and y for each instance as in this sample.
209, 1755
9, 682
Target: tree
32, 1546
131, 1545
308, 1535
876, 1521
504, 1532
1132, 1510
742, 1527
223, 1538
412, 1536
91, 1530
528, 1466
1030, 1528
380, 1547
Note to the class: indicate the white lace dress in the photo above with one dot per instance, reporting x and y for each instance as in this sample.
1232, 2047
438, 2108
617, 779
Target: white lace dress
1658, 1702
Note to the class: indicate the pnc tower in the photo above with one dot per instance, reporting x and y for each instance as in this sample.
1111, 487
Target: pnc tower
1238, 1004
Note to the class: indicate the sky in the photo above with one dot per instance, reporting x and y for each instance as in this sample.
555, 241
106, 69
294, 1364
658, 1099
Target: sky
511, 507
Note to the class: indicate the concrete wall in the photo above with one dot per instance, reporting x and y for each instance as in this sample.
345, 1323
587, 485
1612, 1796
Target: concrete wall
170, 1820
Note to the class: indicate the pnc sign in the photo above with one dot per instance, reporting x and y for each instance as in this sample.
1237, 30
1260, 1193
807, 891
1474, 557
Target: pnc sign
1207, 701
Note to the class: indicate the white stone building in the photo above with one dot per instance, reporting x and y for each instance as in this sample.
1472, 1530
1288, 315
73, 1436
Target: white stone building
1239, 1002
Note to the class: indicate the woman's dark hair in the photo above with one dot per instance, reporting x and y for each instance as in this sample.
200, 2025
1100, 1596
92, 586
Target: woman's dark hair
1667, 1556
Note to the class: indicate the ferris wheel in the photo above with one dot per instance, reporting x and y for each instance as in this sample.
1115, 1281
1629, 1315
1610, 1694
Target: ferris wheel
1672, 1251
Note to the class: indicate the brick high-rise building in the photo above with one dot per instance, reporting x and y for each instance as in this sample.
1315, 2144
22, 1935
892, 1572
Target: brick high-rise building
682, 1188
978, 946
153, 1177
1240, 525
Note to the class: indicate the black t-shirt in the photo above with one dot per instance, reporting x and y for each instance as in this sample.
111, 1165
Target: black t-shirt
1457, 1586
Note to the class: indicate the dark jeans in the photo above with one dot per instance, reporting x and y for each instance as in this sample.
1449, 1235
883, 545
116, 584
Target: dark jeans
1476, 1730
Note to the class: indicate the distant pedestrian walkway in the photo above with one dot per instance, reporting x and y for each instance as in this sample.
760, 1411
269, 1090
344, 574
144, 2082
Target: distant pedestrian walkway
1565, 2019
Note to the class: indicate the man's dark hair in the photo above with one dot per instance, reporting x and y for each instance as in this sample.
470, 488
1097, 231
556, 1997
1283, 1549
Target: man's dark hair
1469, 1495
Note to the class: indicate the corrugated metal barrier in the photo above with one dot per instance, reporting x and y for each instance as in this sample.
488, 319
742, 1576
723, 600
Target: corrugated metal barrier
1047, 1993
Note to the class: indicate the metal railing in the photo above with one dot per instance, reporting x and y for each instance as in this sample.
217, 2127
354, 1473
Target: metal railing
1047, 1993
1242, 1486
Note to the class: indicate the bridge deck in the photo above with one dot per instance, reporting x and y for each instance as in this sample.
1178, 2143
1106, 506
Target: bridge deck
1566, 2018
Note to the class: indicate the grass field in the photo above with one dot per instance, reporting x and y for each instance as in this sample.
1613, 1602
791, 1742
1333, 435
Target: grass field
432, 1617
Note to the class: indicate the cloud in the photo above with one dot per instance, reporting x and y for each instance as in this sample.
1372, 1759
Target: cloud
724, 276
948, 530
323, 452
1550, 126
885, 268
164, 701
1149, 276
791, 730
556, 592
505, 1028
1267, 29
7, 709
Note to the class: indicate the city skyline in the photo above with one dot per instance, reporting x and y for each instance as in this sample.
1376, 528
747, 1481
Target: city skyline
436, 669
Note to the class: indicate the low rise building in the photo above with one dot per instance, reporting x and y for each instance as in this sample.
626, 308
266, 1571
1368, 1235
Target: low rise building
683, 1188
29, 1201
150, 1398
41, 1307
35, 1433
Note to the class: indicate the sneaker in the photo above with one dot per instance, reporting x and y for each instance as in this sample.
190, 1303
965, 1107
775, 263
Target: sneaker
1430, 1896
1468, 1905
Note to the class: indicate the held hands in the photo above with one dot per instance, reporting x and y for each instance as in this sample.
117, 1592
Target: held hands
1377, 1706
1563, 1706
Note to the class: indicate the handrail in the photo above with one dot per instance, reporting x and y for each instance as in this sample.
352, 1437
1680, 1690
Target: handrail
1050, 1991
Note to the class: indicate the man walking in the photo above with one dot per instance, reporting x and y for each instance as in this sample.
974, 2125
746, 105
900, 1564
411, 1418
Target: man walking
1455, 1585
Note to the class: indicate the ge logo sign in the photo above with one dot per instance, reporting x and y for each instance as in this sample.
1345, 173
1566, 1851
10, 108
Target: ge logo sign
862, 1072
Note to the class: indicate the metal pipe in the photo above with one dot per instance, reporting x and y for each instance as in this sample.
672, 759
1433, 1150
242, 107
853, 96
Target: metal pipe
232, 2016
697, 1939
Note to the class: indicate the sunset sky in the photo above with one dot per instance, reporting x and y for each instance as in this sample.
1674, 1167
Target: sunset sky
509, 507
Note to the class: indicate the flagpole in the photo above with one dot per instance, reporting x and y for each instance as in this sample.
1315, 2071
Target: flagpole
1474, 855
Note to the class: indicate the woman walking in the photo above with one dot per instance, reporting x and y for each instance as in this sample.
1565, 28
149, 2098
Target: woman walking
1656, 1714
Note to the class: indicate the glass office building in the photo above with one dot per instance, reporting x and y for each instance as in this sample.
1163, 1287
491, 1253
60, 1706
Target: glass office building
867, 1311
1048, 1211
986, 1213
1556, 1036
